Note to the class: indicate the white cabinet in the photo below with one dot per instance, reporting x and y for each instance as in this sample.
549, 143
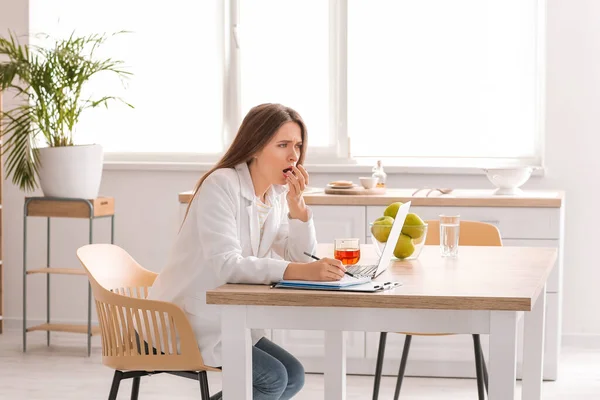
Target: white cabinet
339, 222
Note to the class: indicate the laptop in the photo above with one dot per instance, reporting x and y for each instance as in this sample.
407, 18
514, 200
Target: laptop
374, 271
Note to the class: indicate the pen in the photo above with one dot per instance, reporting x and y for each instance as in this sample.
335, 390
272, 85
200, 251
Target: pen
317, 258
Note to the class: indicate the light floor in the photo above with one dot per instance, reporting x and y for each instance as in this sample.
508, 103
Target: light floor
62, 371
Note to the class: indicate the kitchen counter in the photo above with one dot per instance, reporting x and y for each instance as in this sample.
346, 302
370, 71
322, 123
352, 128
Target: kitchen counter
458, 198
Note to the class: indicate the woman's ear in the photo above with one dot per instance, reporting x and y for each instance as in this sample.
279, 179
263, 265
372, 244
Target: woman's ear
255, 156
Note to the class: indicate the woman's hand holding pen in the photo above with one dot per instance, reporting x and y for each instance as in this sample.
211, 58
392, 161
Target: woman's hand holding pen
325, 269
297, 180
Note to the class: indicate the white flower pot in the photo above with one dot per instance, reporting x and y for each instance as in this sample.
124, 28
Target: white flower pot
71, 171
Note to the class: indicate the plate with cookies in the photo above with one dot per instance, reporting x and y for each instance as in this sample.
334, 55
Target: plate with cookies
341, 185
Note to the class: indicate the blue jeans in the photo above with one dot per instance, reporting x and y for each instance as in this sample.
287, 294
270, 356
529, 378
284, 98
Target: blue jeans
276, 374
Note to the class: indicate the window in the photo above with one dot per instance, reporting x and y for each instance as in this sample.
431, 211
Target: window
285, 59
439, 78
437, 81
174, 50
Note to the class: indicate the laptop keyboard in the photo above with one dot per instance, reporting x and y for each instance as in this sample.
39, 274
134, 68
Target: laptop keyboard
362, 270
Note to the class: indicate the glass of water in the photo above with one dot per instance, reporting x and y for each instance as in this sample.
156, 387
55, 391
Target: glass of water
449, 233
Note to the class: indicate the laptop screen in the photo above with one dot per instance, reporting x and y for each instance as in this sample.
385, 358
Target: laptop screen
388, 249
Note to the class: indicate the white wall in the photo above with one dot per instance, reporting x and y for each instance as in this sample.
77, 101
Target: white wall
147, 208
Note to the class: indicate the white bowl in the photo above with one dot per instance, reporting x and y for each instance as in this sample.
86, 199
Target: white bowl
368, 182
508, 180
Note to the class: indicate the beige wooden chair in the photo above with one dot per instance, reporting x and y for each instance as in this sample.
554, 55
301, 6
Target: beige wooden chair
472, 233
139, 336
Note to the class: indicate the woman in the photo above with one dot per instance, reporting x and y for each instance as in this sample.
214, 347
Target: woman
248, 223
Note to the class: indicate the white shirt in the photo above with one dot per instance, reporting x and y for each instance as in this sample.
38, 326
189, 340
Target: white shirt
220, 243
263, 212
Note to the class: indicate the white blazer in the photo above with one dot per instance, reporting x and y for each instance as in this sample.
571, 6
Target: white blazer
220, 243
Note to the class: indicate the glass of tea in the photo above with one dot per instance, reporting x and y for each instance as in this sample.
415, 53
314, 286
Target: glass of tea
347, 251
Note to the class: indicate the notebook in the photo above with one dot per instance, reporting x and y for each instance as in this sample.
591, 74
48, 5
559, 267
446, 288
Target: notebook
369, 286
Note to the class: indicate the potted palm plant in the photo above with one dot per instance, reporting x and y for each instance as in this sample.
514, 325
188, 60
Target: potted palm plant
50, 81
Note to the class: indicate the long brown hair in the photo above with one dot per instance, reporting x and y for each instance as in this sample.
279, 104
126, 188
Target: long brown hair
257, 129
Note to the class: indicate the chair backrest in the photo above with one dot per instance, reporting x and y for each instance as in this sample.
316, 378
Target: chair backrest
128, 320
472, 233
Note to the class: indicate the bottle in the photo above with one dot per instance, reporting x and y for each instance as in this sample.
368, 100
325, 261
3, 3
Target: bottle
379, 174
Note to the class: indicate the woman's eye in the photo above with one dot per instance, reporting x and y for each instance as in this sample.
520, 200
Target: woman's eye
284, 145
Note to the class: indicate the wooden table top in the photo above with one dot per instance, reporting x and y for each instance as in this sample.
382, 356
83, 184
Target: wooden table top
480, 278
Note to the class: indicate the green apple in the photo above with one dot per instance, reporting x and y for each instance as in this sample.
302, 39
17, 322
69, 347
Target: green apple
413, 226
404, 247
381, 228
392, 209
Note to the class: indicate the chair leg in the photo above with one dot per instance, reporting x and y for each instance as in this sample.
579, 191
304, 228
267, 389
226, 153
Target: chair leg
379, 366
485, 372
114, 389
135, 388
203, 379
478, 366
402, 365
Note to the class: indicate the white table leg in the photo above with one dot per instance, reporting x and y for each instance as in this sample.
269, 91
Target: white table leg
335, 365
503, 355
237, 354
533, 349
552, 339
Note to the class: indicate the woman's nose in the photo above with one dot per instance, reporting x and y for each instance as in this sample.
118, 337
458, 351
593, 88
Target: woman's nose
294, 155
